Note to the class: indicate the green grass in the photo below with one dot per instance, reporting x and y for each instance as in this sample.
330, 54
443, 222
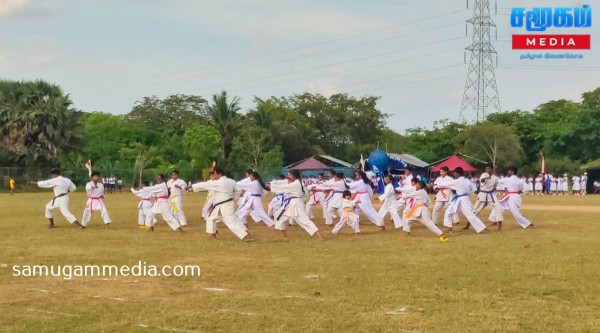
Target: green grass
542, 280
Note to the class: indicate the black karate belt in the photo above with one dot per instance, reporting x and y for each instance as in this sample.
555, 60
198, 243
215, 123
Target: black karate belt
58, 196
212, 207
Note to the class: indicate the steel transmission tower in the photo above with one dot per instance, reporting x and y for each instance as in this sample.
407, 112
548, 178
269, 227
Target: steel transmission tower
481, 92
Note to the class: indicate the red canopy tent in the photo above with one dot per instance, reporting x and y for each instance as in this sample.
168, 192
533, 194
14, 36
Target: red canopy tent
452, 163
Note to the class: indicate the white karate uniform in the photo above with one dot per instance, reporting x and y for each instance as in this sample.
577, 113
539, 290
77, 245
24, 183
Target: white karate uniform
253, 203
389, 205
348, 217
512, 200
161, 206
406, 182
487, 196
61, 186
210, 200
95, 203
317, 197
293, 206
460, 203
576, 183
226, 191
442, 197
176, 199
335, 198
363, 192
419, 212
243, 198
144, 205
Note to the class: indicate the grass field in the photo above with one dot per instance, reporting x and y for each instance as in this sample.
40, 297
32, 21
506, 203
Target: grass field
541, 280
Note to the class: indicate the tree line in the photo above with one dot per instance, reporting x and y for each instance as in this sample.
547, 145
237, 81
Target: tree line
40, 129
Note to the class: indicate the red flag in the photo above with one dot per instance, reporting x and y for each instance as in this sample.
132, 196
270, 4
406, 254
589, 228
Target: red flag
543, 162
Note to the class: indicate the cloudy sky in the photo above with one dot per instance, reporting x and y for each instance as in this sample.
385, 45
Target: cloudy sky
108, 54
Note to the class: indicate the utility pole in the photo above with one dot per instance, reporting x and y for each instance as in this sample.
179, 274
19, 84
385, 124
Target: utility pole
481, 92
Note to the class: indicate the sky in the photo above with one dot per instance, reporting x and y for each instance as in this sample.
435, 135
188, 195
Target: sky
109, 54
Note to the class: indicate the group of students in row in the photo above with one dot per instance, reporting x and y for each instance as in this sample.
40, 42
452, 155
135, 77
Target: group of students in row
293, 202
547, 184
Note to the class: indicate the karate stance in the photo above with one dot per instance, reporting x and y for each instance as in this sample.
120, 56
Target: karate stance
144, 205
460, 203
336, 187
362, 190
317, 196
253, 202
419, 212
61, 186
487, 196
161, 205
293, 205
443, 196
348, 216
176, 189
388, 202
95, 202
512, 200
226, 191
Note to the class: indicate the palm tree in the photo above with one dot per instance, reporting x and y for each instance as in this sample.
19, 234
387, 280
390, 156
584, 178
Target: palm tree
225, 117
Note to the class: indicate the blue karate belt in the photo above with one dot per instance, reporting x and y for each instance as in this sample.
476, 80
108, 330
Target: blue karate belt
489, 194
458, 196
334, 192
286, 203
280, 196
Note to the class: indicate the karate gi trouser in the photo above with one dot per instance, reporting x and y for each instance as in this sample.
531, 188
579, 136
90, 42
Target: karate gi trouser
329, 213
391, 207
176, 203
256, 209
495, 214
143, 211
298, 212
95, 206
515, 210
437, 212
162, 206
61, 203
347, 219
226, 213
370, 213
464, 207
425, 219
311, 203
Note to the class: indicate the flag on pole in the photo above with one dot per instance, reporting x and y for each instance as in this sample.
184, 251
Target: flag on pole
213, 166
88, 165
543, 163
362, 163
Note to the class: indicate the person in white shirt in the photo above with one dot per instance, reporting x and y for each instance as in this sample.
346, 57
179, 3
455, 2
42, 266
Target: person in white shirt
226, 191
530, 185
276, 202
512, 200
144, 205
443, 196
460, 203
161, 205
245, 194
253, 202
293, 205
419, 212
388, 202
487, 196
61, 187
362, 189
348, 215
95, 202
336, 187
539, 187
576, 184
317, 196
405, 181
583, 184
177, 188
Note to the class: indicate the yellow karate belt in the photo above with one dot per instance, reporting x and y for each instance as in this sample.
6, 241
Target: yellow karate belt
172, 204
414, 210
347, 212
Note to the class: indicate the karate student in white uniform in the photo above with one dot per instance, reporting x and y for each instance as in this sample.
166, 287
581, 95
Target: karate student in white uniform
177, 189
442, 197
460, 203
512, 199
389, 203
161, 205
293, 206
335, 198
276, 202
95, 202
420, 212
362, 190
349, 217
405, 181
317, 196
245, 196
61, 186
487, 196
226, 191
253, 202
144, 205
